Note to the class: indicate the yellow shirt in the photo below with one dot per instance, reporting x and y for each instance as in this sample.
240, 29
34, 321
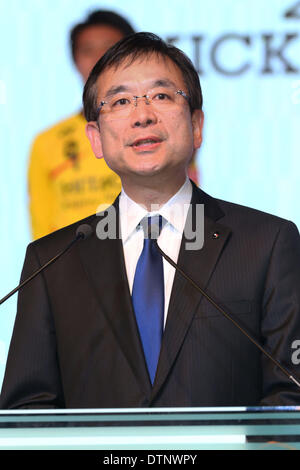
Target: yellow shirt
66, 181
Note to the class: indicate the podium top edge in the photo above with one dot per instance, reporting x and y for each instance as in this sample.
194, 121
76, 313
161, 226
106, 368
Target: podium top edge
153, 411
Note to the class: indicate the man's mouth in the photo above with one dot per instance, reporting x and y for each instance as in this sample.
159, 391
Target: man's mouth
146, 142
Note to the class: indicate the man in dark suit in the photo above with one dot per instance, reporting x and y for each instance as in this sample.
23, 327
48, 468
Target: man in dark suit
80, 339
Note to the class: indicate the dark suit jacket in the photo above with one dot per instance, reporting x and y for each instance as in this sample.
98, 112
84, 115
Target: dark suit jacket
75, 343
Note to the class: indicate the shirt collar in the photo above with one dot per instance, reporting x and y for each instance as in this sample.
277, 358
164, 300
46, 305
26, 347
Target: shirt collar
174, 211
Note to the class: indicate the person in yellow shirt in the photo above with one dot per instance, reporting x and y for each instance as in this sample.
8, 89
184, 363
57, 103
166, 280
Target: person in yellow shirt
66, 182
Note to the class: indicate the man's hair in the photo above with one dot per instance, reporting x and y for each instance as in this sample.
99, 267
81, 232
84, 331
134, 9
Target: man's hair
135, 47
100, 18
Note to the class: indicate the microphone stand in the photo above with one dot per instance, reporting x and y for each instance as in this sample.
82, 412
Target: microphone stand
82, 232
227, 315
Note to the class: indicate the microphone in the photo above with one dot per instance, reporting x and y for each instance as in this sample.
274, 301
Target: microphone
227, 315
82, 233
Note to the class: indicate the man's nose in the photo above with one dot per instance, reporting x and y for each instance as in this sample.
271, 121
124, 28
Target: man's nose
143, 114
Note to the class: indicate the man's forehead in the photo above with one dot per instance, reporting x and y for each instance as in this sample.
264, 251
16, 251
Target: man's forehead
154, 67
140, 58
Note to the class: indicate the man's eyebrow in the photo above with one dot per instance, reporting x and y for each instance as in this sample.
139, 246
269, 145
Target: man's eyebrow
161, 82
165, 82
114, 90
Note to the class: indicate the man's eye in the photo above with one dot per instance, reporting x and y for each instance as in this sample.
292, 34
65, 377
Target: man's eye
121, 102
161, 96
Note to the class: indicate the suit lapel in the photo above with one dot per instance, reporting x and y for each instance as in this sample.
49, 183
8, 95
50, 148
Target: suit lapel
104, 264
199, 265
103, 261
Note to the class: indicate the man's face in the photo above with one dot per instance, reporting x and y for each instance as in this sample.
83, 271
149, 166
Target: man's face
91, 44
149, 142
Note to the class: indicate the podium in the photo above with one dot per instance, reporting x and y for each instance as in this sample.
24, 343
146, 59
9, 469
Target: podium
264, 428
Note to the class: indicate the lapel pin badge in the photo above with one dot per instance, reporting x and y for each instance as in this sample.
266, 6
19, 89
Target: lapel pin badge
216, 235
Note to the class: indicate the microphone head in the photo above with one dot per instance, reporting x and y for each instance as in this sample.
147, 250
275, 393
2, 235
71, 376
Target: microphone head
84, 231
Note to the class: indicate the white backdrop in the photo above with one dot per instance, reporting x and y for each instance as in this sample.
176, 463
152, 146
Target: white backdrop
248, 56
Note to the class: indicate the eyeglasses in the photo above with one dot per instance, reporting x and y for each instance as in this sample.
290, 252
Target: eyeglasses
161, 99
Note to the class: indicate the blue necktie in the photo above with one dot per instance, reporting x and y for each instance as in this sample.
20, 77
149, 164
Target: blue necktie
148, 294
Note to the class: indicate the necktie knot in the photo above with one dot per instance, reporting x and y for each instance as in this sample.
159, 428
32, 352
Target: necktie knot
152, 226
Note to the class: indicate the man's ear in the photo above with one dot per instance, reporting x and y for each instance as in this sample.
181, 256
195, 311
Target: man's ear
197, 122
93, 134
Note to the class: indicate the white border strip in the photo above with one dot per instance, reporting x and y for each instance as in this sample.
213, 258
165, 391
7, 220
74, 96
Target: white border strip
103, 441
123, 410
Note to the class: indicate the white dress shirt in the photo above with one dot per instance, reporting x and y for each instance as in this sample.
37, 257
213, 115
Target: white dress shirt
174, 212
